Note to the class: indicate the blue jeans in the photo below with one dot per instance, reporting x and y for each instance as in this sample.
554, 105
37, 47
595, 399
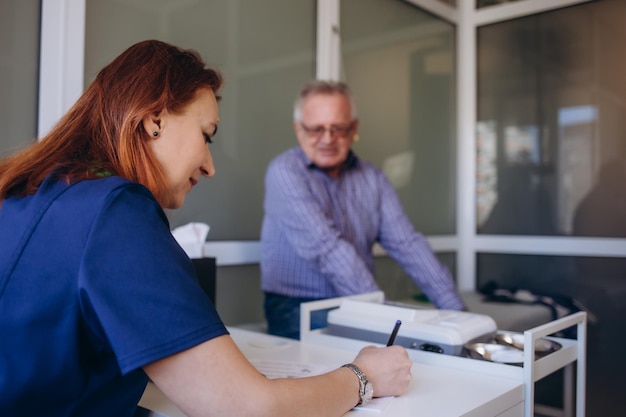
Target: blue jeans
283, 315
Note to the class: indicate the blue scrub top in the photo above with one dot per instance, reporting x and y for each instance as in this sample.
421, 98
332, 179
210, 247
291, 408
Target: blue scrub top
92, 287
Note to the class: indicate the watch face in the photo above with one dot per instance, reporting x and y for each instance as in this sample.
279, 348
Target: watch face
368, 392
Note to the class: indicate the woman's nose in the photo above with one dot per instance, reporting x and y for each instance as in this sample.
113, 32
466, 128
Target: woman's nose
207, 168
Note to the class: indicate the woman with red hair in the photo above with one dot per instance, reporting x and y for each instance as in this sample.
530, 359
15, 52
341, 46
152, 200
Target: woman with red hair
96, 296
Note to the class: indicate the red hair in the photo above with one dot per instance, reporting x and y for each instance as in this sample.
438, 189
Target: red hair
103, 132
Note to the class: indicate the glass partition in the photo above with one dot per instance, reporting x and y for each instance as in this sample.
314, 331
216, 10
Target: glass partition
551, 161
19, 72
551, 127
262, 77
399, 61
397, 285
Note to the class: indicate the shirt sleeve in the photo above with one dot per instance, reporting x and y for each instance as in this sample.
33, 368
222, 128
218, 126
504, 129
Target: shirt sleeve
137, 287
311, 232
411, 250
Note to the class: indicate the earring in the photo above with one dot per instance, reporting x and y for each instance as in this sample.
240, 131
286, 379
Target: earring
155, 133
355, 137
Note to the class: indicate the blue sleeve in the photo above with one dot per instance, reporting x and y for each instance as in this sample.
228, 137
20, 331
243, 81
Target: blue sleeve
138, 286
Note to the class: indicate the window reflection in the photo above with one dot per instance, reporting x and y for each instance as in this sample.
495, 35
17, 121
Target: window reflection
487, 175
550, 116
576, 174
602, 211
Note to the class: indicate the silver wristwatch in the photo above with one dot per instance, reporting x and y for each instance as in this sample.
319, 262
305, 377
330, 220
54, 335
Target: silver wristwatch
366, 389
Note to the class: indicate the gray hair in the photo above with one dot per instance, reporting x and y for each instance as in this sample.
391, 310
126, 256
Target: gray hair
322, 87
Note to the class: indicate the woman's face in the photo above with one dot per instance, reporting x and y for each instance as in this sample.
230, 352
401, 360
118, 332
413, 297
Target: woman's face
181, 146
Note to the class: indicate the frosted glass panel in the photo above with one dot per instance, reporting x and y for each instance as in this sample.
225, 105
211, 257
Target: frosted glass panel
551, 126
397, 285
19, 71
399, 62
266, 51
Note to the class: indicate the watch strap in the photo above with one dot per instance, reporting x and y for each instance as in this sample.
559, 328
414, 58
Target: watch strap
363, 381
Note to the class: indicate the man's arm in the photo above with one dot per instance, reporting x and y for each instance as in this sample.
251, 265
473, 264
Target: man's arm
412, 251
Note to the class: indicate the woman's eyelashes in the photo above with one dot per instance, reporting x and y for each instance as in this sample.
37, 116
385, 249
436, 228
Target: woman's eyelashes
209, 138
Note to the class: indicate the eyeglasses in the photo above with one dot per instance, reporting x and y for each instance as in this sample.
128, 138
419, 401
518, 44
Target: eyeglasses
336, 131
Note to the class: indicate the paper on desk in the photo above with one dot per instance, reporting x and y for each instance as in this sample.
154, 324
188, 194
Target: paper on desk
287, 369
191, 237
375, 405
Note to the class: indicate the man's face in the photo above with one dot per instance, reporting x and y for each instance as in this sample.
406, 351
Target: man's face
326, 130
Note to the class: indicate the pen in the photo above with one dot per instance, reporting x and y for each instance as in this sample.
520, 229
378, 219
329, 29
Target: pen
394, 332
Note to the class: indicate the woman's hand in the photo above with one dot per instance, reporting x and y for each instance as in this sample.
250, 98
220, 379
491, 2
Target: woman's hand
387, 368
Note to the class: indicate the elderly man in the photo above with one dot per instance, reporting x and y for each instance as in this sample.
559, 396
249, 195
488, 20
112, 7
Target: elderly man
325, 209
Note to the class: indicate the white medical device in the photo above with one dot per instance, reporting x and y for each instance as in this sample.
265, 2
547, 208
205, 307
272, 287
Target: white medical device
431, 330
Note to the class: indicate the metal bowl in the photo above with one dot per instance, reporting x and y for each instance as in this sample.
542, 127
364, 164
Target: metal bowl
542, 346
494, 352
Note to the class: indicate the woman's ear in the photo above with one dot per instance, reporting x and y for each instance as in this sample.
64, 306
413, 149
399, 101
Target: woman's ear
152, 124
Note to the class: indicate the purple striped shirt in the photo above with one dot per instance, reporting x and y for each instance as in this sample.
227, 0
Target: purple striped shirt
318, 233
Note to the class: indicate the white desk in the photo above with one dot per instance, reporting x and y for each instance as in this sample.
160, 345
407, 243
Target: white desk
435, 391
571, 357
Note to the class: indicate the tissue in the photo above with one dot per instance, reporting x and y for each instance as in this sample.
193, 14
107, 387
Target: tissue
191, 238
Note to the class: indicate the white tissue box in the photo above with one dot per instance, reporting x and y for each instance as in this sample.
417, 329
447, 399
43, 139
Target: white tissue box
191, 237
